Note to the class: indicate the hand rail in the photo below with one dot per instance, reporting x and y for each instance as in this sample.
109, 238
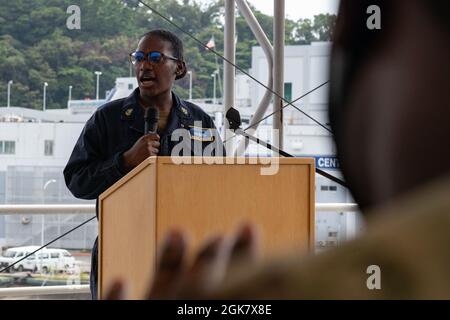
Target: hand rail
39, 291
20, 209
11, 209
90, 208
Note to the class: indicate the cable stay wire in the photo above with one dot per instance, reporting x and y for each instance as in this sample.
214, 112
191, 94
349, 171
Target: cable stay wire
286, 105
291, 104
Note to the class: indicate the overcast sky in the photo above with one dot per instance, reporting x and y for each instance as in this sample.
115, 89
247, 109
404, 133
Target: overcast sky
296, 9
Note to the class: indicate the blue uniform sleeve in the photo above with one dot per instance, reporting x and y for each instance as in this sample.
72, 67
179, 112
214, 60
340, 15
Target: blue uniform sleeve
90, 170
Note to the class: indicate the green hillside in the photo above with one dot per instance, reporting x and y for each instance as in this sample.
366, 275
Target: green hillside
36, 46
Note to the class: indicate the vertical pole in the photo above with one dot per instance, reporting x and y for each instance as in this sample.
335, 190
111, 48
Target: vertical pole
214, 87
43, 202
43, 217
190, 85
42, 230
219, 82
228, 69
96, 90
97, 73
70, 97
44, 102
10, 82
278, 70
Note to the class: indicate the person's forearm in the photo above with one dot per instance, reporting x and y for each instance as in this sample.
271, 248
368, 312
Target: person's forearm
127, 161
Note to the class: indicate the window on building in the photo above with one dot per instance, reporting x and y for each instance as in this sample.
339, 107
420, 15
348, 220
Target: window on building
2, 187
328, 188
48, 147
288, 91
7, 147
130, 86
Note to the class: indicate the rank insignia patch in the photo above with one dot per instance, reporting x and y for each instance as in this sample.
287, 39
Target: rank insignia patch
128, 112
184, 110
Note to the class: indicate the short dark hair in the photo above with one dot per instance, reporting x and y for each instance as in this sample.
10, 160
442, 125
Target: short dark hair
177, 45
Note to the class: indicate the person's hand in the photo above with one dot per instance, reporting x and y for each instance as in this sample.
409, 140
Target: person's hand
144, 147
215, 260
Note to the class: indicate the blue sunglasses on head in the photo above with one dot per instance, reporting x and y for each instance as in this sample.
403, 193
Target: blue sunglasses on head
154, 57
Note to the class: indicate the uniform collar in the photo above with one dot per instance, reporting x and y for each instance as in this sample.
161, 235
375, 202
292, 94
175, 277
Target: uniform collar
180, 115
130, 106
181, 108
132, 112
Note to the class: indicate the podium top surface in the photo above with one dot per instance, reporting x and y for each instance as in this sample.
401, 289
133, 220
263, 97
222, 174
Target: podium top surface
207, 161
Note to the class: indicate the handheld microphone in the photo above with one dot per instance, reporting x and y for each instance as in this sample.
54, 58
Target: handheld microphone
151, 118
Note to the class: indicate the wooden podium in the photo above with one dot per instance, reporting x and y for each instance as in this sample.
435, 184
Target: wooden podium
202, 199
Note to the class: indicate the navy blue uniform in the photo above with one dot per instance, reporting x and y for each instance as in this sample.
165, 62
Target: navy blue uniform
96, 162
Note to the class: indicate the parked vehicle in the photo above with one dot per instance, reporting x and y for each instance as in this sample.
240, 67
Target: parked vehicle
55, 260
12, 255
44, 261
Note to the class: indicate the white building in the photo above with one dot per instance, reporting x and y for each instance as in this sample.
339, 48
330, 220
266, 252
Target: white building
305, 68
35, 146
34, 149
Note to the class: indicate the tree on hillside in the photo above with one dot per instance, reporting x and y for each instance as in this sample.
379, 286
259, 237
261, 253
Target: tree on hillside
307, 31
37, 47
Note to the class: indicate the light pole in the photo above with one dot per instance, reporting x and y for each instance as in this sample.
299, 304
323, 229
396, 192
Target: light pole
216, 72
70, 93
98, 74
43, 216
10, 82
214, 86
70, 97
190, 84
44, 100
